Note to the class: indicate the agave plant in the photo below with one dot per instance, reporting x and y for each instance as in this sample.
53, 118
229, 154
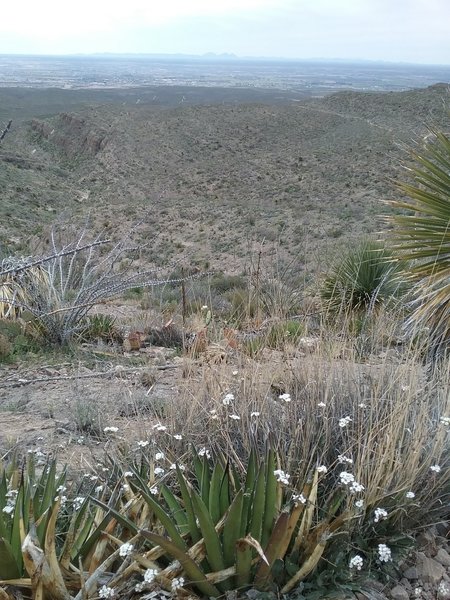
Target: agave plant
422, 235
366, 278
221, 533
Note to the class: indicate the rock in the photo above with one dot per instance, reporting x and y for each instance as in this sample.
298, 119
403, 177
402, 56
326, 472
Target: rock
443, 557
427, 543
399, 593
428, 569
411, 573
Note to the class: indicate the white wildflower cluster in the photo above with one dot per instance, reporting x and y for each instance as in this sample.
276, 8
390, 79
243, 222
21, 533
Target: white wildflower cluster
321, 405
126, 549
143, 443
344, 422
177, 583
435, 468
281, 476
106, 592
255, 413
154, 491
110, 429
149, 577
445, 421
99, 489
228, 399
61, 497
235, 417
159, 471
359, 504
384, 553
410, 495
349, 480
159, 455
11, 502
128, 474
322, 469
356, 562
177, 436
285, 397
159, 427
78, 502
362, 405
344, 460
173, 466
204, 452
380, 514
298, 499
213, 414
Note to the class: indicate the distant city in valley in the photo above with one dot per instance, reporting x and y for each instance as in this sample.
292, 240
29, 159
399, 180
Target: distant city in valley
303, 78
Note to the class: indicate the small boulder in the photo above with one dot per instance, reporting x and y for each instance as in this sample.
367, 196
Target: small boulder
443, 557
428, 569
399, 593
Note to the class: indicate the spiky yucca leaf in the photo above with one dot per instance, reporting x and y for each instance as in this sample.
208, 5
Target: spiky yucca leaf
422, 235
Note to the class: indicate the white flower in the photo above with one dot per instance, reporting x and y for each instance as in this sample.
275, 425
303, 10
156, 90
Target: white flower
356, 488
150, 575
177, 436
410, 495
61, 489
62, 499
106, 592
159, 471
346, 478
235, 373
98, 489
110, 430
281, 476
80, 440
285, 397
159, 427
204, 452
143, 443
299, 498
356, 562
177, 583
126, 549
344, 421
445, 421
128, 474
362, 405
384, 553
204, 307
154, 491
359, 504
435, 468
139, 587
344, 459
235, 417
78, 502
380, 514
228, 399
9, 508
159, 455
321, 405
93, 478
125, 487
322, 469
255, 414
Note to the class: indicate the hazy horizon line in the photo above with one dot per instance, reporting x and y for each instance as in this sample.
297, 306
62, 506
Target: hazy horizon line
229, 56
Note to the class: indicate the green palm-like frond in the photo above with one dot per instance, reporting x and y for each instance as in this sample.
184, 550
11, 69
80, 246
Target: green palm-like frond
422, 235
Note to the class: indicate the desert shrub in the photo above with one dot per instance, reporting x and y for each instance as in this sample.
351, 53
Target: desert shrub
99, 327
366, 278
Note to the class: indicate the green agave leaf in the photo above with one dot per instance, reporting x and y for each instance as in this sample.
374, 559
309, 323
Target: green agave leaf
190, 567
232, 529
193, 528
215, 491
9, 569
160, 513
258, 505
176, 510
276, 542
15, 538
212, 542
270, 507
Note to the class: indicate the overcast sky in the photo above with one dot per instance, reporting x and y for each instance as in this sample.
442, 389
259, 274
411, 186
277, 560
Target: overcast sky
393, 30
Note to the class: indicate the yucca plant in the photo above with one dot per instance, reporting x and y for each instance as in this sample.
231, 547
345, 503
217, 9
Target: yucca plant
366, 278
422, 235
